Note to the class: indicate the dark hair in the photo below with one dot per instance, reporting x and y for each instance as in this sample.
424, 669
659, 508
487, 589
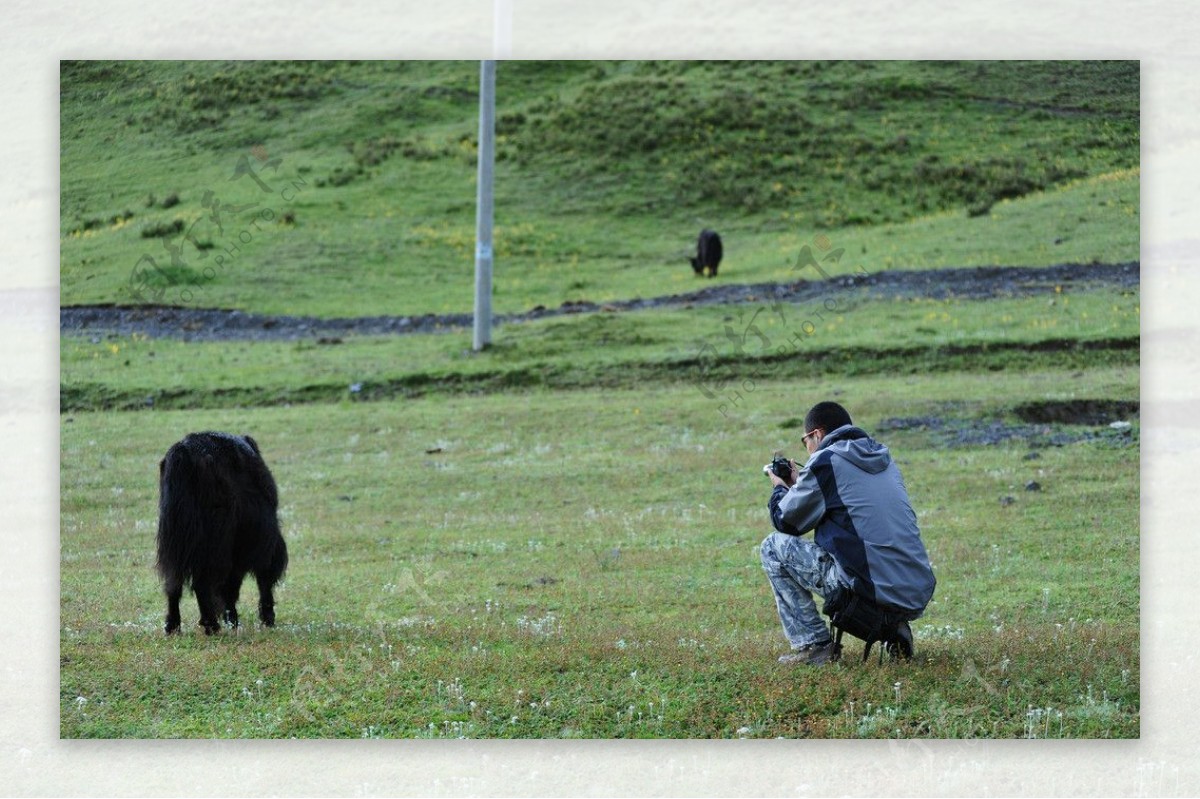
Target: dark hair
828, 416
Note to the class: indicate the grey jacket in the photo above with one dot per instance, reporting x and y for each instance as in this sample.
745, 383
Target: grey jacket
851, 492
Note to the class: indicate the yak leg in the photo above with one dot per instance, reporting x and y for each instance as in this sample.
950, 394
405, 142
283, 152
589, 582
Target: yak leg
233, 587
174, 591
210, 606
266, 599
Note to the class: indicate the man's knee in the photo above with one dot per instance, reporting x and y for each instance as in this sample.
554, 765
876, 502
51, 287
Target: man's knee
769, 555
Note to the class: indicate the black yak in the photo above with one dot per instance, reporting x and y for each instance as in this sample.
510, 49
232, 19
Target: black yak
216, 522
708, 253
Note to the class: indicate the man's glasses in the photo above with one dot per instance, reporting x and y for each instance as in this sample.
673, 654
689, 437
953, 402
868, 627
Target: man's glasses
804, 438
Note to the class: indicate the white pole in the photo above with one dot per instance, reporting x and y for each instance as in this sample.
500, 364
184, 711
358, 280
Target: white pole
483, 205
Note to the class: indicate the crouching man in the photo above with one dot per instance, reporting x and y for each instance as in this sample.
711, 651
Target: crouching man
866, 538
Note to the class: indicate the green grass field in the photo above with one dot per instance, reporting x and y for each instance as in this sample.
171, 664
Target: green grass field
556, 537
607, 350
583, 564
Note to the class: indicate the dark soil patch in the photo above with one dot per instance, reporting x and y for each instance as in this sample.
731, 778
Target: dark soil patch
953, 433
1079, 411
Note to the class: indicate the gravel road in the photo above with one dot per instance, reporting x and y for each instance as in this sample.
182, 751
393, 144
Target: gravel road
200, 324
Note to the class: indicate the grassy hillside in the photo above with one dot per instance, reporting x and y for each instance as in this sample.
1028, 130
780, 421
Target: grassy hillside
333, 188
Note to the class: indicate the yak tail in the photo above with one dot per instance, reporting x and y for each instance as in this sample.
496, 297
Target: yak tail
194, 518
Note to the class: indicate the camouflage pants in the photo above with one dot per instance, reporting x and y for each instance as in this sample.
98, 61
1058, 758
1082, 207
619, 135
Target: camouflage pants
796, 568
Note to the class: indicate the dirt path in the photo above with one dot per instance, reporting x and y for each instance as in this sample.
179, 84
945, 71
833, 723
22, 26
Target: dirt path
195, 324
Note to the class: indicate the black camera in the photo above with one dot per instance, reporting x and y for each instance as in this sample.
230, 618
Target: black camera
781, 467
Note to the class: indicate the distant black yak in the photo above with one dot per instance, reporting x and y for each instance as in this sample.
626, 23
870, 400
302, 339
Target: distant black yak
708, 253
217, 522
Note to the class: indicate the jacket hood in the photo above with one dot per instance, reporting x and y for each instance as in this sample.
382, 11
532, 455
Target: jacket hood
854, 445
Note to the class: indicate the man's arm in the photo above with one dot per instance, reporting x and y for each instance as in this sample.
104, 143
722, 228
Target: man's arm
796, 510
777, 494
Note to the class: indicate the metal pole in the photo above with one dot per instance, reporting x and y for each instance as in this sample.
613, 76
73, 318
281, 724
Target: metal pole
483, 205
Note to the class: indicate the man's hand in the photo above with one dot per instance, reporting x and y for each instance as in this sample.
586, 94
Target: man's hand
778, 481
